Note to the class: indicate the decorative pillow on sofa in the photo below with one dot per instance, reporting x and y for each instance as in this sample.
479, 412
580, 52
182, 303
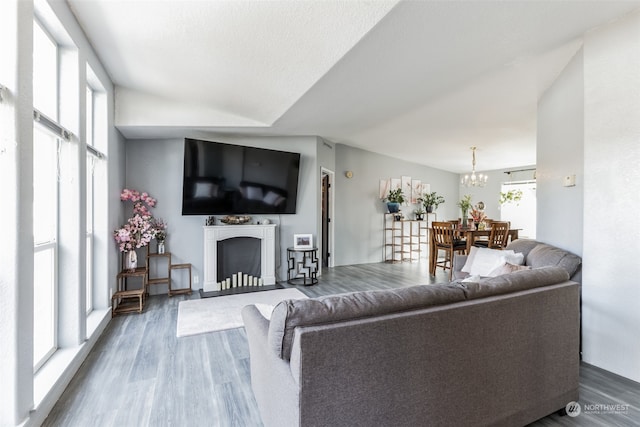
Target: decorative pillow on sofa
507, 268
265, 310
482, 261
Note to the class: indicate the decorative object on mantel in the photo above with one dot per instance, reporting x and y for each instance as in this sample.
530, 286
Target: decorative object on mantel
473, 179
235, 220
138, 230
210, 221
419, 213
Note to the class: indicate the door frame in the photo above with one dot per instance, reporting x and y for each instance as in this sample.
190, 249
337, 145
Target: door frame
332, 185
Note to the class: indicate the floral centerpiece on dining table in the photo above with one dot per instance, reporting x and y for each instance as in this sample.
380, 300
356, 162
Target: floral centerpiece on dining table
478, 215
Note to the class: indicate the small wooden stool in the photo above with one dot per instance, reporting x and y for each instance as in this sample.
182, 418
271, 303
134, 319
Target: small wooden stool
180, 291
129, 300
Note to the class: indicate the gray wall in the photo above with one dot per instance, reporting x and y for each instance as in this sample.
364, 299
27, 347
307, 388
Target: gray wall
155, 166
358, 209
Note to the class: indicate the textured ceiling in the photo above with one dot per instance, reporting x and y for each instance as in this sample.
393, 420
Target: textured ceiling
418, 80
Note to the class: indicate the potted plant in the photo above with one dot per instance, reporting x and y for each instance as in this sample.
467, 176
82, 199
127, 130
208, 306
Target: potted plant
511, 196
431, 201
394, 199
419, 213
465, 205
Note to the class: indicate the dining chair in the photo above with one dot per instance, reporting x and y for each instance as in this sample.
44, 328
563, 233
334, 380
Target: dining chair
497, 237
444, 238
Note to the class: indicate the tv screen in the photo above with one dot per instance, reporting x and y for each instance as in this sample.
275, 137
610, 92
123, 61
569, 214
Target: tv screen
233, 179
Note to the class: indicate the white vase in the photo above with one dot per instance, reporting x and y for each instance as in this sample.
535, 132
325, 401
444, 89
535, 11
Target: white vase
131, 260
160, 246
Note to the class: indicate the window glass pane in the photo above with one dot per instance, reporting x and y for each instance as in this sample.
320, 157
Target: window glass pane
521, 214
89, 213
45, 73
45, 181
43, 303
89, 116
89, 199
89, 277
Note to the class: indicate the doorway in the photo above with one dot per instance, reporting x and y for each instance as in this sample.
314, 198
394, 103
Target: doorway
326, 239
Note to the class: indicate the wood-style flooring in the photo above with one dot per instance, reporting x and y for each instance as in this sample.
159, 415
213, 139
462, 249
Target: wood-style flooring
139, 374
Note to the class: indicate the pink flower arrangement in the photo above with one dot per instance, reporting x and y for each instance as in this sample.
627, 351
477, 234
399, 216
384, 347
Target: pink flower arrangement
136, 233
139, 200
140, 228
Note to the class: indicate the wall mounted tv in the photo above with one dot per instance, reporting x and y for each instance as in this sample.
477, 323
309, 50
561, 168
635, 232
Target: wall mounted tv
233, 179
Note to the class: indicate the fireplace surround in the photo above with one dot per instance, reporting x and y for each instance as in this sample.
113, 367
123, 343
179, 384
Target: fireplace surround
214, 234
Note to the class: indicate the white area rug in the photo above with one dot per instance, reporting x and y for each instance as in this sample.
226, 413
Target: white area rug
200, 316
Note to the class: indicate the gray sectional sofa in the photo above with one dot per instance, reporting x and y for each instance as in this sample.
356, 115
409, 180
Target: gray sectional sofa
501, 351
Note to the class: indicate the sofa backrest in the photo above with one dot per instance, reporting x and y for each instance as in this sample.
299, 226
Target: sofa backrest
538, 255
514, 282
289, 314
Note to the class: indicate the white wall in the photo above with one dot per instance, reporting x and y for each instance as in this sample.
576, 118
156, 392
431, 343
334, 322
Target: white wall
16, 192
358, 219
155, 166
589, 125
559, 153
611, 294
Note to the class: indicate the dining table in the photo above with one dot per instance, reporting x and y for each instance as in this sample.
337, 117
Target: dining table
469, 234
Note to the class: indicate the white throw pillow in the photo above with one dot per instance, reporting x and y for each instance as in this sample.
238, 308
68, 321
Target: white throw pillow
482, 261
516, 258
265, 310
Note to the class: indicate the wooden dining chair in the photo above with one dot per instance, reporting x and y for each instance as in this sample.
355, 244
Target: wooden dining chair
445, 239
497, 237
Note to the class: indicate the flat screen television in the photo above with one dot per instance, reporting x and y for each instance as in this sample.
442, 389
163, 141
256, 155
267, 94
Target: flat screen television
229, 179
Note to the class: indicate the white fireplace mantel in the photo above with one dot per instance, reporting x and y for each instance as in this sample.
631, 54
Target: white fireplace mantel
215, 233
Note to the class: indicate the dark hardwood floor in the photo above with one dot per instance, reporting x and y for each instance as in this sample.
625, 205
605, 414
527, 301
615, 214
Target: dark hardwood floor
140, 374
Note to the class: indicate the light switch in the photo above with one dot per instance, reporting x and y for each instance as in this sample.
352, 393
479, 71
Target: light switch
569, 181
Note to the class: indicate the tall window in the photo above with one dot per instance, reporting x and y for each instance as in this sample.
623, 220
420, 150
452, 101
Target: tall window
522, 213
90, 201
45, 197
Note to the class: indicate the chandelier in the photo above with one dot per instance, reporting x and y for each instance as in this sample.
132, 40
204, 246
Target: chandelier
474, 179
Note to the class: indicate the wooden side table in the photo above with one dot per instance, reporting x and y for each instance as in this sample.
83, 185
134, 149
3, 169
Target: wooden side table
129, 300
159, 280
302, 271
179, 291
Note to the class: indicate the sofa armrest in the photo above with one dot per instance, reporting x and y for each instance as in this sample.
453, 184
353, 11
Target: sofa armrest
254, 322
274, 388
